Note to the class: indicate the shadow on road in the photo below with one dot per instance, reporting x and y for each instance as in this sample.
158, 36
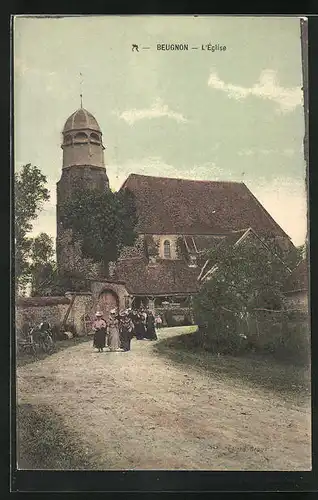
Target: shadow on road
251, 369
61, 345
43, 442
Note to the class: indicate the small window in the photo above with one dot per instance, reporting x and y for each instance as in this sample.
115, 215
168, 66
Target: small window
94, 137
167, 249
80, 137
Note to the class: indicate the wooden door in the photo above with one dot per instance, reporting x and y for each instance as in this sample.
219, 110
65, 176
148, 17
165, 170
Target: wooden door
108, 300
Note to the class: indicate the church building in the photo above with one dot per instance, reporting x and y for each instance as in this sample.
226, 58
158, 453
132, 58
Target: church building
178, 220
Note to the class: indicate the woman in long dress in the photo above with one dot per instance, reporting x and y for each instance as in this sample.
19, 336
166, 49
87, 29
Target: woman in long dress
139, 327
150, 327
113, 331
99, 328
126, 331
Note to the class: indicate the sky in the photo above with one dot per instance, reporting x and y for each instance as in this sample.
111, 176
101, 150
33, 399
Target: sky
234, 114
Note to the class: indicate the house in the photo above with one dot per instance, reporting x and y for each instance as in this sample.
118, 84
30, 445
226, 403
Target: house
296, 288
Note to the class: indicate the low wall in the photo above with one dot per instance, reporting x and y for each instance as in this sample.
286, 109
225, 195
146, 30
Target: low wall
281, 332
174, 316
30, 311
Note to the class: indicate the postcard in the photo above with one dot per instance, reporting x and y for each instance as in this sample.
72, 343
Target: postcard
161, 243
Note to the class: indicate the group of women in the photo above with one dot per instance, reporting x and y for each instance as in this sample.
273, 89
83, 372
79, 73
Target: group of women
118, 331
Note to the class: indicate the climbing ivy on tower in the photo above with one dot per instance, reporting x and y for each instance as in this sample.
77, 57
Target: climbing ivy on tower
102, 221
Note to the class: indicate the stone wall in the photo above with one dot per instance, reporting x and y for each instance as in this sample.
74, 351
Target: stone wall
68, 252
31, 311
70, 258
82, 308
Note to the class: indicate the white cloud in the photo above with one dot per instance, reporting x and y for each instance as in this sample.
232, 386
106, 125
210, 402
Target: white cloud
267, 87
246, 152
157, 110
285, 152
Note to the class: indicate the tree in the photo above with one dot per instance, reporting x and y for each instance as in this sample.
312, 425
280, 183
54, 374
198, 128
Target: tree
30, 194
103, 222
291, 256
247, 276
42, 267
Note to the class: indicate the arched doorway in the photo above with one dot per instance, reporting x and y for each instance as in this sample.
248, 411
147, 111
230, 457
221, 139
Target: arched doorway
107, 301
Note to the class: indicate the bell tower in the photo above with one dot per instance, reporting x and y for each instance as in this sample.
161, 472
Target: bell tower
83, 165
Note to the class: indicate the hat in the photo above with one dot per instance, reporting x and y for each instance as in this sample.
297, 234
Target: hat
98, 313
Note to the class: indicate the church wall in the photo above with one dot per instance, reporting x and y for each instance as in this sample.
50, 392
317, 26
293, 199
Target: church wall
69, 254
79, 154
76, 176
70, 258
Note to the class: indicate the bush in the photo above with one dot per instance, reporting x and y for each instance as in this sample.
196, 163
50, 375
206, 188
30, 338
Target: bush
220, 333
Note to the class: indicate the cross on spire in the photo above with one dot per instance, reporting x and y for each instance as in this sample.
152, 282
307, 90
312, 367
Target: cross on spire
81, 89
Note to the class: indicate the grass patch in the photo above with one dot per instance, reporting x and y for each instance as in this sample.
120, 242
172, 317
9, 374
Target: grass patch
254, 370
44, 443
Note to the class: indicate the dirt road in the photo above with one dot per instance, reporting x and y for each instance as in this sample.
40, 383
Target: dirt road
139, 410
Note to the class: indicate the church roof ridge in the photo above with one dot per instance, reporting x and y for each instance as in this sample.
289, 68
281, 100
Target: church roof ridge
131, 175
189, 206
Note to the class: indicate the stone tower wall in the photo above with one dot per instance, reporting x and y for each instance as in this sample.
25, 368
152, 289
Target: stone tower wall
69, 254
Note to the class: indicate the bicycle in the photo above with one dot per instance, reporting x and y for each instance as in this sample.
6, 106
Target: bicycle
47, 343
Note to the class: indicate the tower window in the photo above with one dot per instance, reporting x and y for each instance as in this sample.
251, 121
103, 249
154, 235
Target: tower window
167, 249
80, 137
94, 137
68, 139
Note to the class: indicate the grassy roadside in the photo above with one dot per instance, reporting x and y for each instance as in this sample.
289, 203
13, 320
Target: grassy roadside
251, 369
44, 443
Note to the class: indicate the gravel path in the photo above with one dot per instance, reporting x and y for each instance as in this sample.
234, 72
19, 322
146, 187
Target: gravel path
138, 410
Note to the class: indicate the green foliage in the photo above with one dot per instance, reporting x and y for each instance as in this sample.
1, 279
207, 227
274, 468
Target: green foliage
291, 256
152, 247
30, 194
247, 276
181, 250
103, 222
42, 267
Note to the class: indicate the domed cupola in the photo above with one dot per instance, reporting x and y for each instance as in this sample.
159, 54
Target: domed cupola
82, 140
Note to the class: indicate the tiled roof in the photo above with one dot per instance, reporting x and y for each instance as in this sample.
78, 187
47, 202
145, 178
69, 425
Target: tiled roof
81, 119
164, 277
180, 206
210, 241
298, 280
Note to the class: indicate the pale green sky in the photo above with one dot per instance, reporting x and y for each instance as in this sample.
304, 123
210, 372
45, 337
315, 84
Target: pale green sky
223, 115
